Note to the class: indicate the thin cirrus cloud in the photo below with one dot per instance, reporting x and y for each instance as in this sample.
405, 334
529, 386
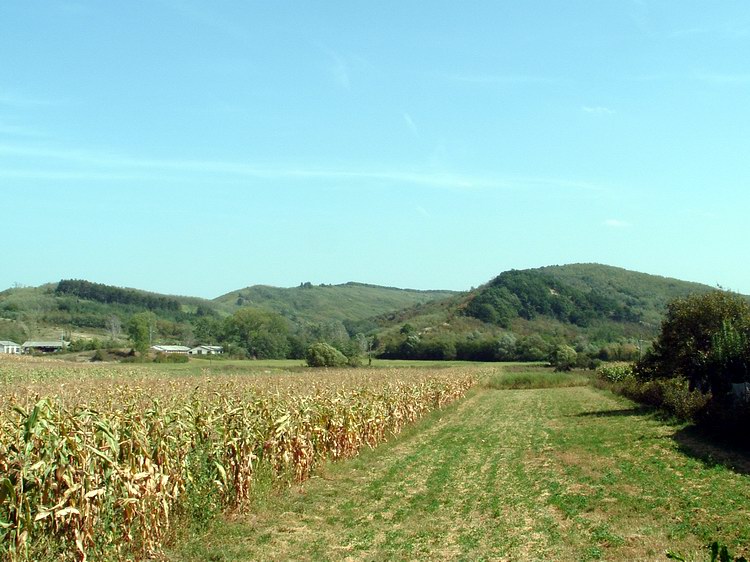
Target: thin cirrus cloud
411, 125
707, 77
12, 99
498, 79
721, 78
616, 223
8, 129
52, 163
597, 110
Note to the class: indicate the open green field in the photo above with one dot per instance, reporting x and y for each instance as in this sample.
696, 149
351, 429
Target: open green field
529, 465
560, 473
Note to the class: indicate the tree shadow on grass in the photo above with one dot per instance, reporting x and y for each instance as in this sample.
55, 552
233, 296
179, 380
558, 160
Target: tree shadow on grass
713, 449
709, 447
620, 412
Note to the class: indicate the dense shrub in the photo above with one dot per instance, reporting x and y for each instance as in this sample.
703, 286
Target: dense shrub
324, 355
614, 372
704, 338
702, 351
563, 358
673, 396
171, 358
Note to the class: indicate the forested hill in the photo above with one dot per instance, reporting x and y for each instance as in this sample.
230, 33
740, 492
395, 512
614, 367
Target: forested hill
324, 303
530, 311
578, 294
643, 293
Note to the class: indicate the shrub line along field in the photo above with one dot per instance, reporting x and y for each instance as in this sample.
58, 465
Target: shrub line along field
120, 459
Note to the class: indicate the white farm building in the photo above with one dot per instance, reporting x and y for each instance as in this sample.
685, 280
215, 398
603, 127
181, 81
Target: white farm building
170, 349
207, 350
9, 347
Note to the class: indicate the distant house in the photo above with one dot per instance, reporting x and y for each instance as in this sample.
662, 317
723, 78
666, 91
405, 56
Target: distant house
43, 346
170, 349
9, 347
207, 350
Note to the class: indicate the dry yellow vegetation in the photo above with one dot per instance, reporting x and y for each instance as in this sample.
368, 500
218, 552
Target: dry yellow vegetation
97, 462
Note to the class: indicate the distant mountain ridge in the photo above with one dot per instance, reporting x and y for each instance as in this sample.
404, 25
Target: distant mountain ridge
587, 303
321, 303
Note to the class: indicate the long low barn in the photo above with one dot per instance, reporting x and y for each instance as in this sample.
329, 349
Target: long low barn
43, 346
207, 350
170, 349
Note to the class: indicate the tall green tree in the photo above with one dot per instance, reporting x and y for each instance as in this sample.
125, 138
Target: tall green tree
140, 330
703, 338
262, 334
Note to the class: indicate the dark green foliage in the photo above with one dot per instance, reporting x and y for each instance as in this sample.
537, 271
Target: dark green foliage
324, 355
701, 352
703, 338
108, 294
673, 396
563, 358
495, 305
140, 329
531, 293
261, 334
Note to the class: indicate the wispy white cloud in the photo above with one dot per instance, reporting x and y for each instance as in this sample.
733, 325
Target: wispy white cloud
721, 78
8, 129
13, 99
34, 162
597, 110
499, 79
731, 30
411, 125
424, 212
616, 223
340, 70
709, 77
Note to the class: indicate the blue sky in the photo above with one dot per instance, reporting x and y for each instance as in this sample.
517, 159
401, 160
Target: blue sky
195, 147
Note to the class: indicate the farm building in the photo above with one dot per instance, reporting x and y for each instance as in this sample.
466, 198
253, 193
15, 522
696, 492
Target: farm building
207, 350
170, 349
43, 346
9, 347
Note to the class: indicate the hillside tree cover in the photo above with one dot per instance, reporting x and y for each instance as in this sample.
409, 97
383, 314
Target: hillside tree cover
531, 293
109, 294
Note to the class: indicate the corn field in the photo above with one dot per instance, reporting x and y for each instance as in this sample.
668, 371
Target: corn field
100, 463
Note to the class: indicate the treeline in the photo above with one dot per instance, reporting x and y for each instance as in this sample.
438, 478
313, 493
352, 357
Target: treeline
116, 295
410, 344
261, 334
531, 293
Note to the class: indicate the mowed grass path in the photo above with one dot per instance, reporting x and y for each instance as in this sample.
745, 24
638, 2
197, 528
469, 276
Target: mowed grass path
541, 474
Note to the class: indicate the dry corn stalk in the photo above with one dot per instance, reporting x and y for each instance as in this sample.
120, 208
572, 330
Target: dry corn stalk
101, 476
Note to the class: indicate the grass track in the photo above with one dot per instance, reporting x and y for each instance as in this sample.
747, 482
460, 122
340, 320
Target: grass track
543, 474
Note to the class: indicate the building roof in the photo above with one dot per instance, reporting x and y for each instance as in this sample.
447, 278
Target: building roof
170, 348
56, 343
5, 343
211, 347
